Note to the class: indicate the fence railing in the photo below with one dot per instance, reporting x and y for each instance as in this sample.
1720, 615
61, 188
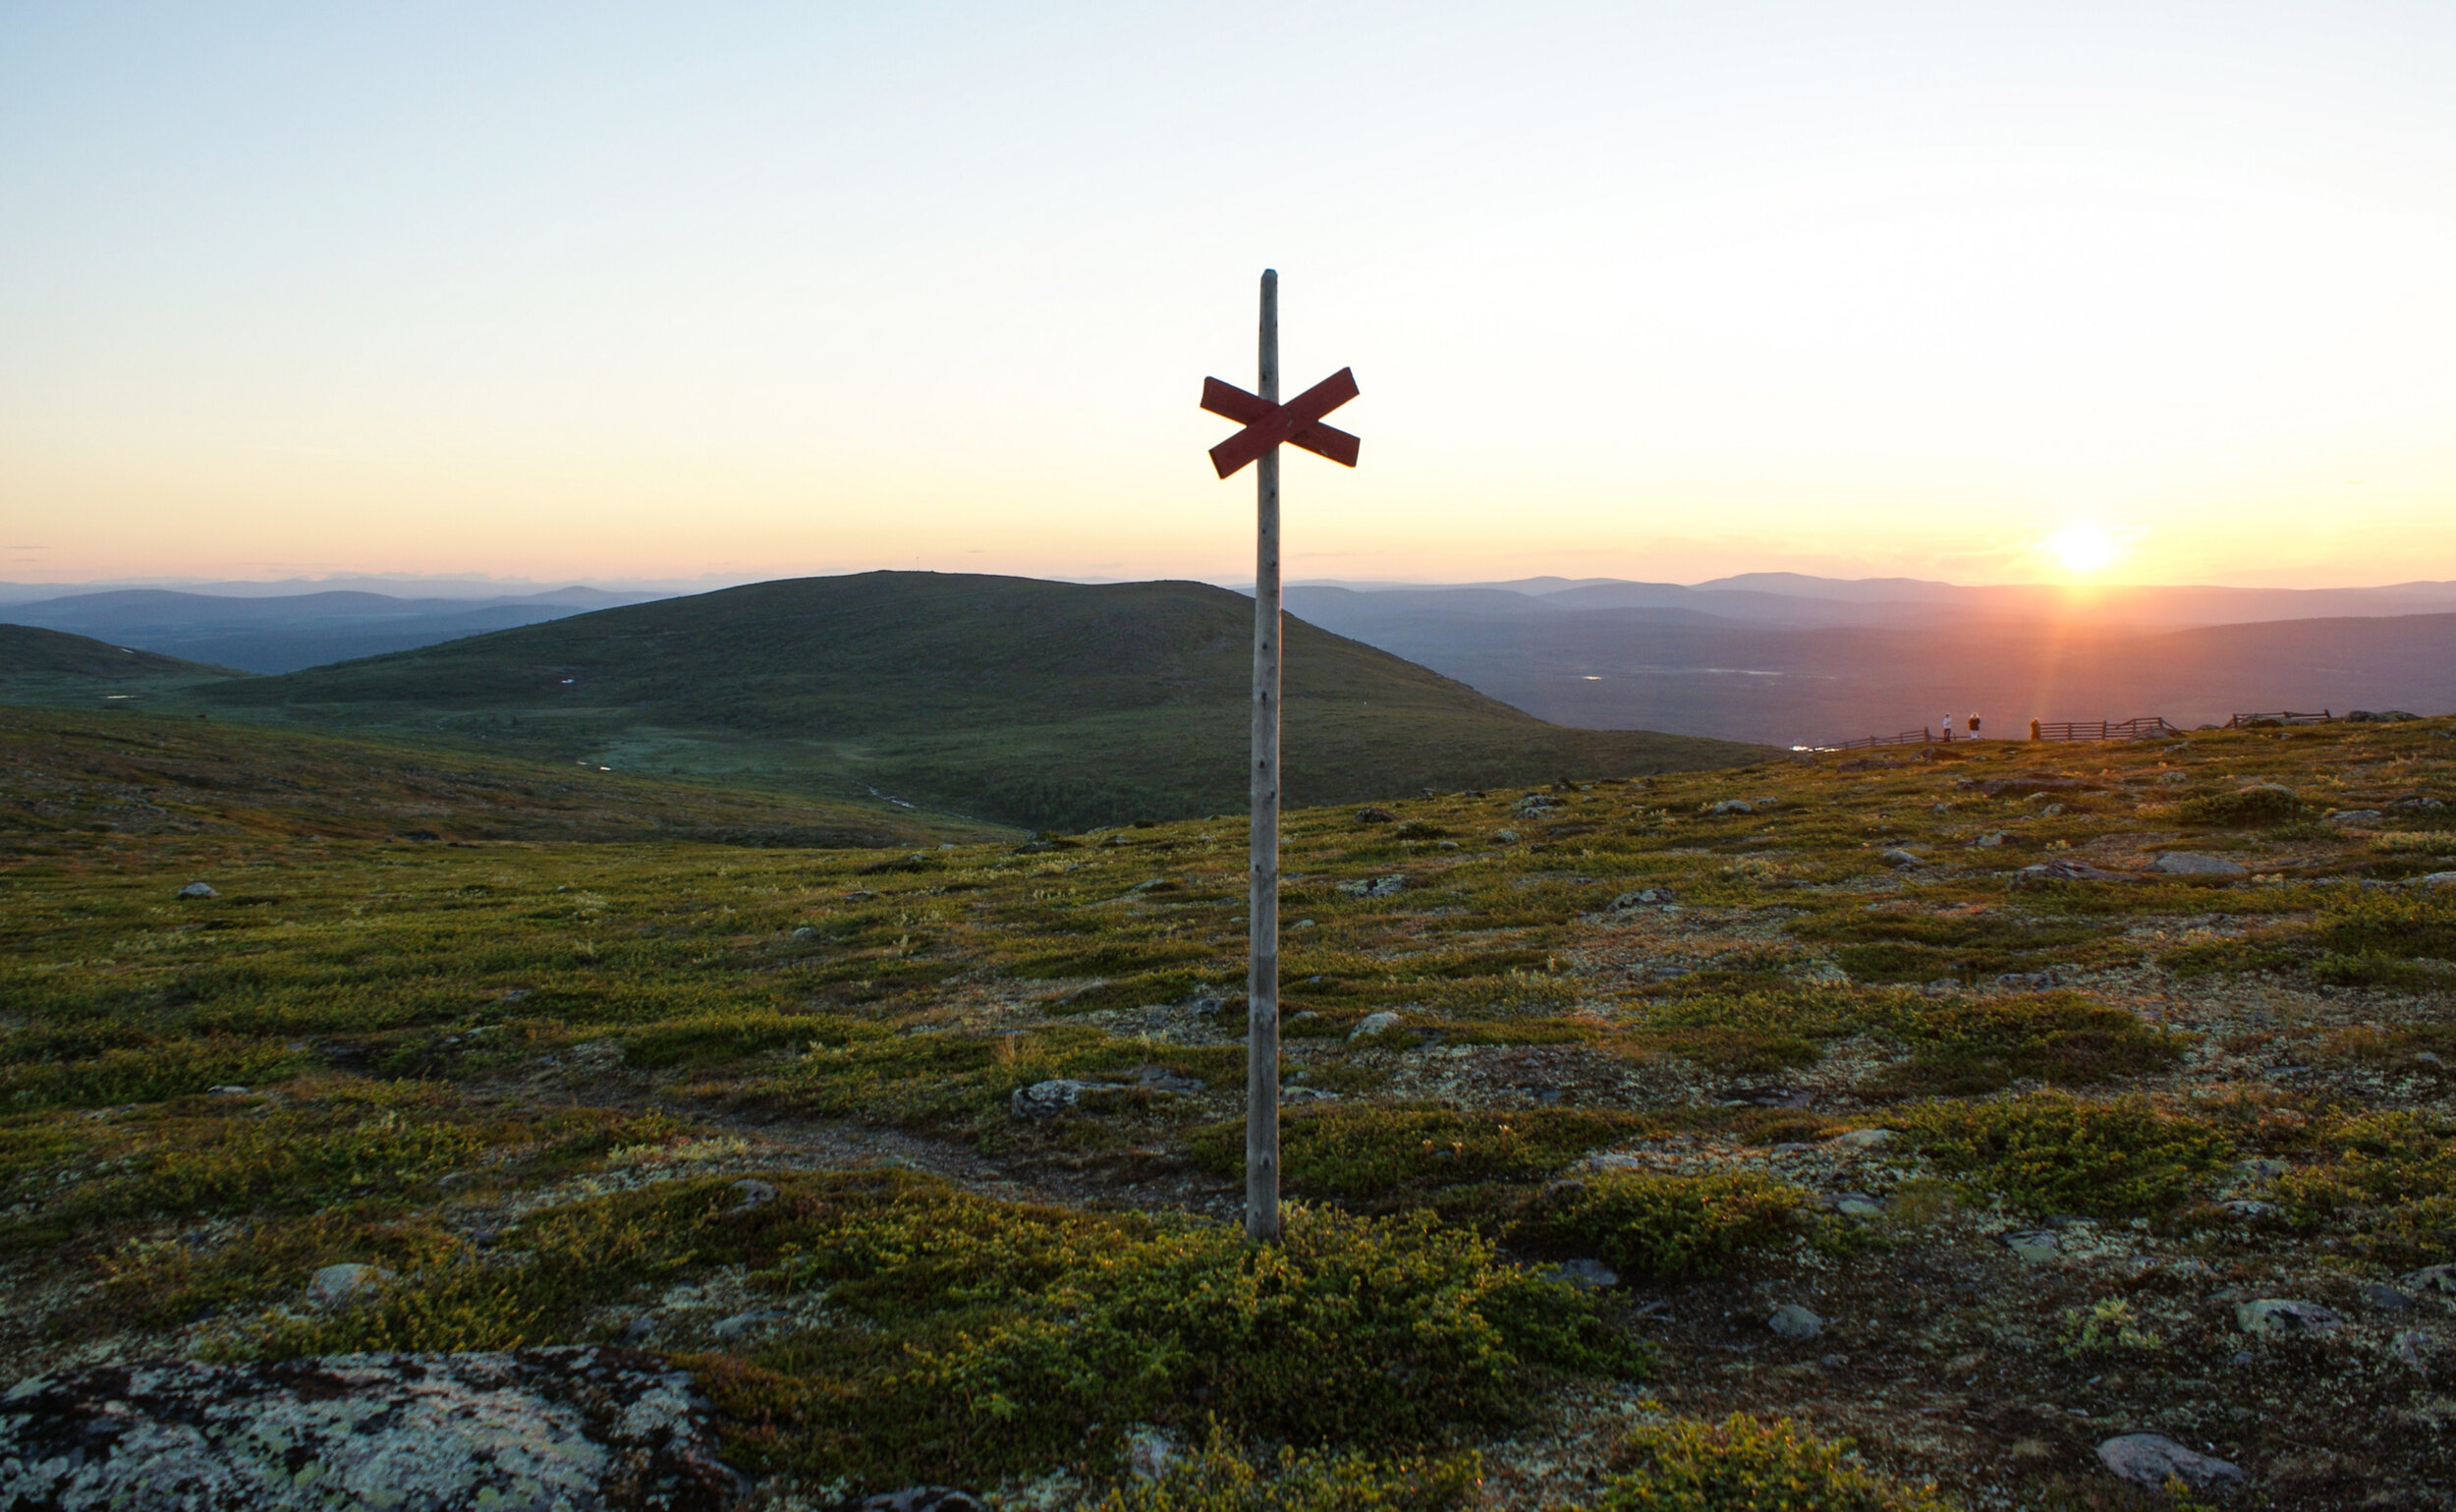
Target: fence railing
2139, 728
1872, 742
2102, 729
2283, 716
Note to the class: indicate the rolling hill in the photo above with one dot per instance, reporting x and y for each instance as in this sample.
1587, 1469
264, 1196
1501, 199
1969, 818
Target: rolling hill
50, 666
67, 775
1010, 699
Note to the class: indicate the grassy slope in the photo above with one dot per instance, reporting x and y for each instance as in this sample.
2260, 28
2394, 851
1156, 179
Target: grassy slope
1037, 702
50, 666
453, 1049
65, 773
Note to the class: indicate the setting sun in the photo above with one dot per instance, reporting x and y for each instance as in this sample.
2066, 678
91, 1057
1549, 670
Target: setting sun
2082, 547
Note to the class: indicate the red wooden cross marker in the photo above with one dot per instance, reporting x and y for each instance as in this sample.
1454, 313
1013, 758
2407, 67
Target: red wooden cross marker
1297, 423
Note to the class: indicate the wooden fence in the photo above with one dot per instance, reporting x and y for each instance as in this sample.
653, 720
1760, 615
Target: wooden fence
2102, 729
2145, 726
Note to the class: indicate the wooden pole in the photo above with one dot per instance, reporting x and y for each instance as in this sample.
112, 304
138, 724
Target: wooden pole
1262, 977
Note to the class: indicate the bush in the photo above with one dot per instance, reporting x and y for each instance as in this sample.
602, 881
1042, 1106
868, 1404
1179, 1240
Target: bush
973, 1338
1217, 1478
1742, 1465
1387, 1154
2390, 1184
1664, 1226
2261, 805
2055, 1153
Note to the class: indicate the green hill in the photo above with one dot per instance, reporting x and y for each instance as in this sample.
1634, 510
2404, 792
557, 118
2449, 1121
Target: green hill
51, 666
1043, 703
66, 774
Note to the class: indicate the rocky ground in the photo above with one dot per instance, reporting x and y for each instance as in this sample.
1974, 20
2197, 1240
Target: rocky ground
2063, 1126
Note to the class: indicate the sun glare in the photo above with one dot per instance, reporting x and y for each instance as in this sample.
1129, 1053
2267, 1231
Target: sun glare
2082, 547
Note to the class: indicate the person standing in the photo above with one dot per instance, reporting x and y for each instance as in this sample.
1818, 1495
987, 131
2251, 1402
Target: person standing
1948, 729
1974, 726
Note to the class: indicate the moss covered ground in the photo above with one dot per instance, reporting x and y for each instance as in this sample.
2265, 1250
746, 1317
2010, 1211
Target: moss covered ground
1916, 1042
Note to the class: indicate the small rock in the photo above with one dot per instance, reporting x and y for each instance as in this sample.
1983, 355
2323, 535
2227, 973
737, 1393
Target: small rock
1586, 1274
230, 1089
1370, 816
1375, 887
1898, 857
1045, 1099
1855, 1204
1792, 1321
2034, 1245
1732, 805
198, 890
2438, 1279
1375, 1023
805, 932
918, 1498
2052, 811
1865, 1139
1993, 837
2277, 1316
1643, 897
335, 1285
753, 1192
2067, 871
2026, 982
2385, 1298
1509, 837
2194, 864
1306, 1095
2436, 880
1149, 1454
2414, 1347
744, 1323
2154, 1459
2250, 1208
2259, 1170
2351, 815
641, 1329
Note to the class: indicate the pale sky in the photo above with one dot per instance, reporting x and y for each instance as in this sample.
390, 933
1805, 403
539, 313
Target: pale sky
1639, 290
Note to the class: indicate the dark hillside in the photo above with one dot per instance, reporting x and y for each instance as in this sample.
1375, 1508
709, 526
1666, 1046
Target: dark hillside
67, 777
49, 666
1025, 700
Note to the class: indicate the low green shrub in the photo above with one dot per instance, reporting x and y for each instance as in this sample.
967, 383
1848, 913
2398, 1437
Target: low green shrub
146, 1073
1664, 1226
1971, 1048
2052, 1153
1388, 1154
1743, 1465
2388, 1185
1218, 1479
2261, 805
976, 1338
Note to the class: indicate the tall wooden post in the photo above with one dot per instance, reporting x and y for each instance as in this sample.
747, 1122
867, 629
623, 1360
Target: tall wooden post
1261, 977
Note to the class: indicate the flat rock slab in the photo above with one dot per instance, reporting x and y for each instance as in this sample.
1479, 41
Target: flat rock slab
530, 1431
2152, 1459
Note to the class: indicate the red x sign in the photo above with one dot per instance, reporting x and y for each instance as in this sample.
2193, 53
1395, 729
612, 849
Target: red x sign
1297, 423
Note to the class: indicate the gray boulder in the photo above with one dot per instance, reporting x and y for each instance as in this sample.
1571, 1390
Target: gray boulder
2438, 1279
1584, 1275
2154, 1459
2192, 864
916, 1499
1897, 857
2279, 1316
583, 1429
1644, 897
1374, 1024
1045, 1100
1732, 805
1375, 887
336, 1285
1792, 1321
2067, 871
198, 890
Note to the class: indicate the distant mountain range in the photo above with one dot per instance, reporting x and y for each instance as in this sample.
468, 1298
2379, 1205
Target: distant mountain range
1784, 668
285, 632
1773, 658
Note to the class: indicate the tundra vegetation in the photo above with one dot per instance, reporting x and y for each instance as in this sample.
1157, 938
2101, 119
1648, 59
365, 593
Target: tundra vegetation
1586, 1082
